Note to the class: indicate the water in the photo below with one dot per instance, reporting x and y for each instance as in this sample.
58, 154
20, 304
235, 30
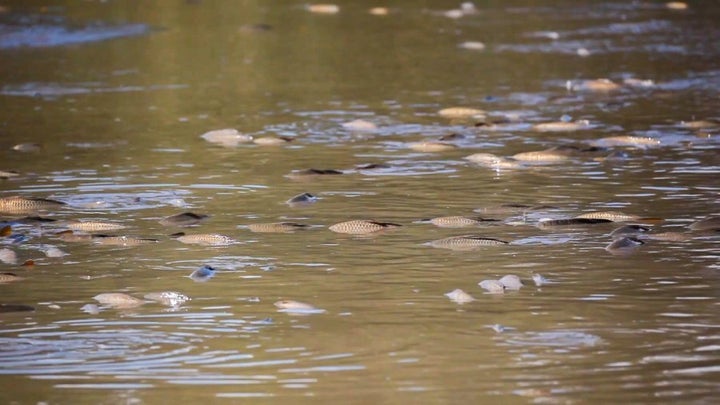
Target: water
119, 111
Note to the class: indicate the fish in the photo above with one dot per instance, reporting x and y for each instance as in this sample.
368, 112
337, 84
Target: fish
699, 124
379, 11
52, 251
362, 226
168, 298
93, 226
571, 222
461, 112
203, 274
431, 146
513, 208
711, 223
8, 256
113, 240
492, 286
302, 199
6, 308
323, 8
459, 296
493, 161
208, 239
9, 278
668, 236
35, 220
561, 126
27, 147
272, 140
277, 227
184, 219
676, 5
458, 221
118, 300
600, 85
359, 126
23, 205
228, 137
466, 242
6, 174
629, 230
309, 173
626, 140
372, 166
472, 45
297, 307
70, 236
548, 155
623, 245
539, 280
511, 282
614, 216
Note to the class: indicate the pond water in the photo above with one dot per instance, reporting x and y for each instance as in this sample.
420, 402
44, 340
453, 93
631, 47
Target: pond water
116, 95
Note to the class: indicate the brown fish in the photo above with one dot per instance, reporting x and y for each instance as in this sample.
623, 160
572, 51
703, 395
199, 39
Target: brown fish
305, 173
272, 140
546, 156
118, 300
184, 219
24, 205
668, 236
458, 221
359, 227
9, 277
208, 239
461, 112
466, 242
277, 227
94, 226
561, 126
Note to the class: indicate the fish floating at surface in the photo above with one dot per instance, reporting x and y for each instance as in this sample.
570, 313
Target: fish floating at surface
362, 226
24, 205
118, 300
277, 227
208, 239
466, 242
456, 221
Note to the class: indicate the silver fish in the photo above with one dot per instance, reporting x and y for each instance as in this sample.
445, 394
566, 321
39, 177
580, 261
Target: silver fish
118, 300
24, 205
466, 242
208, 239
431, 146
561, 126
458, 221
461, 112
272, 140
542, 156
358, 227
668, 236
627, 140
277, 227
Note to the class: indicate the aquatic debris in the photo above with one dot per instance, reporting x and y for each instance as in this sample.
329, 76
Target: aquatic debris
277, 227
466, 242
301, 199
461, 112
431, 146
118, 300
362, 226
539, 280
323, 8
614, 216
627, 140
511, 282
459, 296
543, 156
629, 230
379, 11
561, 126
52, 251
208, 239
600, 85
493, 161
472, 45
226, 137
8, 256
202, 274
623, 245
546, 222
93, 226
297, 307
711, 223
9, 278
6, 174
27, 147
492, 286
272, 140
113, 240
305, 173
184, 219
24, 205
7, 308
458, 221
676, 5
168, 298
359, 126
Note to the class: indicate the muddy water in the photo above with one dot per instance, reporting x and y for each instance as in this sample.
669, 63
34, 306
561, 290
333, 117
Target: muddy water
118, 99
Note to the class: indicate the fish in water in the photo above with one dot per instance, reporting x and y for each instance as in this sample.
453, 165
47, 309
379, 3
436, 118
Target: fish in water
627, 140
24, 205
362, 226
204, 273
493, 161
168, 298
459, 296
112, 240
461, 112
492, 286
542, 156
431, 146
52, 251
458, 221
600, 85
466, 242
359, 126
305, 173
297, 307
561, 126
6, 308
668, 236
272, 140
184, 219
511, 282
93, 226
9, 278
512, 208
70, 236
6, 174
228, 137
571, 222
711, 223
614, 216
629, 230
277, 227
302, 199
539, 280
623, 245
323, 8
118, 300
27, 147
208, 239
8, 256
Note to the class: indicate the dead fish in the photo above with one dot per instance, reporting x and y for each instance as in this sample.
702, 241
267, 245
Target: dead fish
493, 161
362, 226
203, 274
627, 140
623, 245
113, 240
492, 286
466, 242
629, 230
168, 298
545, 156
297, 307
359, 126
305, 173
118, 300
706, 224
184, 219
93, 226
208, 239
228, 137
272, 140
6, 174
7, 308
614, 216
539, 280
431, 146
668, 236
27, 147
277, 227
22, 205
600, 85
323, 8
459, 296
8, 256
571, 222
561, 126
511, 282
461, 112
302, 199
70, 236
9, 277
458, 221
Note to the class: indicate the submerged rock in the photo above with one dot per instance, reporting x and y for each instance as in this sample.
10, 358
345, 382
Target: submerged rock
362, 226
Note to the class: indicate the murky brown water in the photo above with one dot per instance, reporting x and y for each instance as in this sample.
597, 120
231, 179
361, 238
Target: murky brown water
117, 94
